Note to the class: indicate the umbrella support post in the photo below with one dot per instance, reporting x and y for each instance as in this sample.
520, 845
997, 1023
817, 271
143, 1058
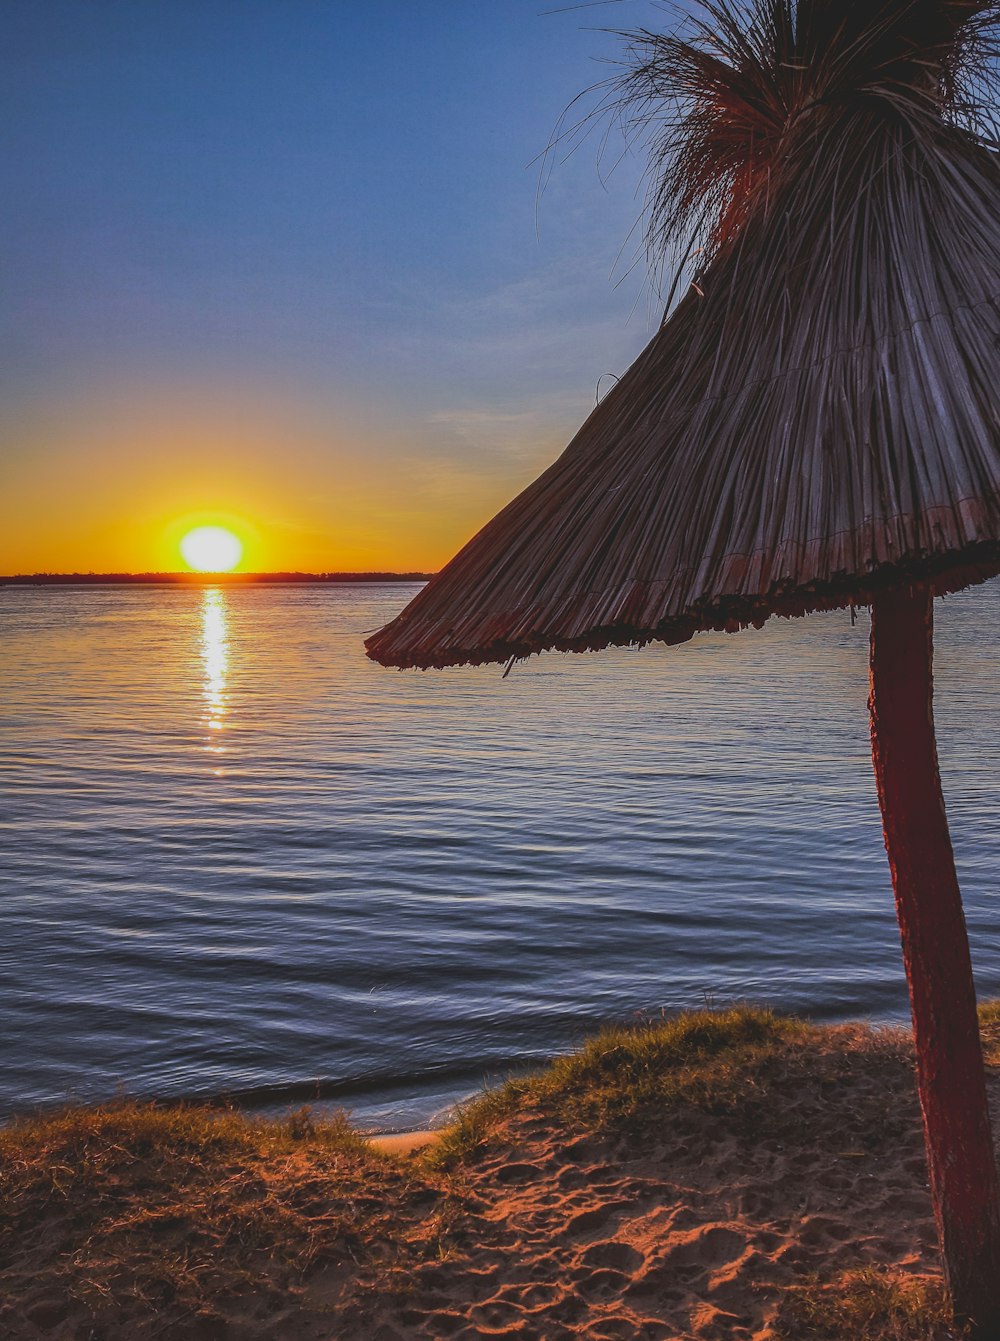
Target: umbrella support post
950, 1073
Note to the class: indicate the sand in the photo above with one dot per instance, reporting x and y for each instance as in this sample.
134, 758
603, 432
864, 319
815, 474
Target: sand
706, 1221
405, 1142
695, 1231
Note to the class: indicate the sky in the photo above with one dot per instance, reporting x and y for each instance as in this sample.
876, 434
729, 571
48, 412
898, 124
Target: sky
290, 267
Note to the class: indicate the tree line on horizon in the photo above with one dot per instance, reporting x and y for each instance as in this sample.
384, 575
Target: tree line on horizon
95, 579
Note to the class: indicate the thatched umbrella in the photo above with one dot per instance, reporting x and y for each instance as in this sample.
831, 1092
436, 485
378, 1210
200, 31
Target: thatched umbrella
816, 425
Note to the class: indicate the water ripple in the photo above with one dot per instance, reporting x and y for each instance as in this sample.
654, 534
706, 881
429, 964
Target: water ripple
240, 859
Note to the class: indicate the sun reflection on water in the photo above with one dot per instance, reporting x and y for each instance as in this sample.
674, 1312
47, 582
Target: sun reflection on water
215, 659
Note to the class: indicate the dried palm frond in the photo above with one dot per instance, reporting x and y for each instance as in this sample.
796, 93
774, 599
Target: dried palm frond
717, 112
821, 417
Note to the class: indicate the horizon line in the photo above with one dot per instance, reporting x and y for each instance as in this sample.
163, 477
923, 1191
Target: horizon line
155, 577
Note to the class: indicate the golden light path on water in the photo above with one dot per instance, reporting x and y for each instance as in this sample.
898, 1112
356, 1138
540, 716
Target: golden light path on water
215, 660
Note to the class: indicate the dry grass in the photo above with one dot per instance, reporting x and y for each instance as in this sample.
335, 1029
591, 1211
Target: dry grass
868, 1306
989, 1029
141, 1213
737, 1064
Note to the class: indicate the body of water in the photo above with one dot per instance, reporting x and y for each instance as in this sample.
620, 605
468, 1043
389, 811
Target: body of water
238, 858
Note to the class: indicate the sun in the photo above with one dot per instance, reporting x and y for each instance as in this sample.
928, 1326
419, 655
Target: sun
211, 549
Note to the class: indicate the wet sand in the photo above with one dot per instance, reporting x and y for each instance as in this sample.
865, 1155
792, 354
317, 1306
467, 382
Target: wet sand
405, 1142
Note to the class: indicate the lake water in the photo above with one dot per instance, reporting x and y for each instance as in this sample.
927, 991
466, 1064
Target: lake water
240, 859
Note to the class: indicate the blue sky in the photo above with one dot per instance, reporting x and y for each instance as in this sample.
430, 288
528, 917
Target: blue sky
305, 231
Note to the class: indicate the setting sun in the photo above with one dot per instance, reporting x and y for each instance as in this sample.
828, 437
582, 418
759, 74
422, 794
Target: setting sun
211, 549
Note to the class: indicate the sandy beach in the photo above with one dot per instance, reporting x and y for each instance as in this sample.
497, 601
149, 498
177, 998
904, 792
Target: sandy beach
746, 1179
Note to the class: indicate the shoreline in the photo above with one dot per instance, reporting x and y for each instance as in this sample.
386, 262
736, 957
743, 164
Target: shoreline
407, 1142
376, 1113
726, 1176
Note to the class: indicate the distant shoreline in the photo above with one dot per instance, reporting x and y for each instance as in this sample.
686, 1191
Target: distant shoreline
198, 579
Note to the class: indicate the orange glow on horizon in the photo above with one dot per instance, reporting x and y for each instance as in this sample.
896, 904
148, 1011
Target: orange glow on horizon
303, 487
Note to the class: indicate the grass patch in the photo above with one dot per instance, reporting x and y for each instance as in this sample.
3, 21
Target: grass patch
706, 1058
989, 1030
135, 1210
868, 1305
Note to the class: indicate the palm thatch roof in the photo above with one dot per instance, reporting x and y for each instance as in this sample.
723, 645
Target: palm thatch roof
819, 417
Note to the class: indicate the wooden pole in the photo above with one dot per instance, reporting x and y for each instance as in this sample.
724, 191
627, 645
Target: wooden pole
950, 1075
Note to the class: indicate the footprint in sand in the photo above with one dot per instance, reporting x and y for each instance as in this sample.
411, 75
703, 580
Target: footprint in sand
532, 1296
517, 1173
571, 1177
755, 1202
612, 1253
433, 1277
602, 1284
907, 1205
46, 1314
797, 1259
578, 1151
708, 1247
754, 1267
818, 1229
586, 1222
444, 1324
660, 1283
496, 1315
766, 1241
836, 1180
